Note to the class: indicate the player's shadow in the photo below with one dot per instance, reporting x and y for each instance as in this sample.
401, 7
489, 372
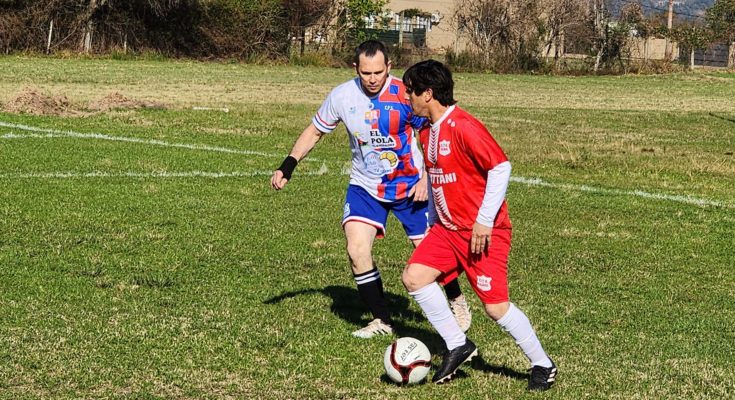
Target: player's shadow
479, 363
722, 118
346, 304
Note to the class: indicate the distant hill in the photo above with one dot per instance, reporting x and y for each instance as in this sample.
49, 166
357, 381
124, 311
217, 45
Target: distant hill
683, 9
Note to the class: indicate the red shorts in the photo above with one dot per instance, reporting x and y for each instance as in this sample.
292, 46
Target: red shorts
449, 252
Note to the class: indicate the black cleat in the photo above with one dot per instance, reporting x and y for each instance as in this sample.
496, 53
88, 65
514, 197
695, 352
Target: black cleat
452, 360
542, 378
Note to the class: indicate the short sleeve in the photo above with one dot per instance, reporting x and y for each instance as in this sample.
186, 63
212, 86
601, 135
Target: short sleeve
480, 145
327, 118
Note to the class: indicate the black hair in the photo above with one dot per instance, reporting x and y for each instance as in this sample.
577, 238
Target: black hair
370, 48
431, 74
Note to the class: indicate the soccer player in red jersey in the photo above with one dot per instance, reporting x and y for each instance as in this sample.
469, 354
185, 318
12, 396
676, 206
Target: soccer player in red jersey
471, 230
386, 174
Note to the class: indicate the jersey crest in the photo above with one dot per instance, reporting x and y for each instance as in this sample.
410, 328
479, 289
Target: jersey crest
444, 148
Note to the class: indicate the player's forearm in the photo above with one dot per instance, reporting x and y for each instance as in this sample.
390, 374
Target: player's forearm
497, 184
306, 142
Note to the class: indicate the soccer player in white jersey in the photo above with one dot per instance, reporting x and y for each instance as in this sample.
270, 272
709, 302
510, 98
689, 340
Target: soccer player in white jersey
386, 176
471, 230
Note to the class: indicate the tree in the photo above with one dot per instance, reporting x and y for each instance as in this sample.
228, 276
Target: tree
601, 24
632, 14
691, 37
357, 11
721, 20
507, 33
560, 15
301, 15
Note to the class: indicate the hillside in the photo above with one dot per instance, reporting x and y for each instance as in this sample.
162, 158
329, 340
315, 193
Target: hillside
683, 9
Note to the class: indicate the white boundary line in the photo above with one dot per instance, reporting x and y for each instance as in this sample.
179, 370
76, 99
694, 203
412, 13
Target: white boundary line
162, 174
324, 171
51, 133
43, 133
636, 193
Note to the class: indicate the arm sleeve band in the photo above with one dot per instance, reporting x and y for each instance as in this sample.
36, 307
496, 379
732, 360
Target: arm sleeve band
287, 166
497, 184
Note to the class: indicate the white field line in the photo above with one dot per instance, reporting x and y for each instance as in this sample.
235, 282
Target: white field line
636, 193
43, 133
162, 174
324, 171
223, 109
50, 133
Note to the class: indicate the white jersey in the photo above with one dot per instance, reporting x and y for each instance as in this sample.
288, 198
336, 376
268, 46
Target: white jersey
386, 160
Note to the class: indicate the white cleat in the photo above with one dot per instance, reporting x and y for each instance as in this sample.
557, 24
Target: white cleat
461, 311
374, 328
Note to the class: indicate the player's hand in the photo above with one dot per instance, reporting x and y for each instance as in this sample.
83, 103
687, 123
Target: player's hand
419, 191
277, 180
480, 238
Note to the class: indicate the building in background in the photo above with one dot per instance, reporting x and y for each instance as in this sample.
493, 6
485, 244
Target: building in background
436, 22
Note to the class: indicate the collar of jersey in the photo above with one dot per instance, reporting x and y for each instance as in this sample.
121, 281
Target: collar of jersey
385, 86
438, 123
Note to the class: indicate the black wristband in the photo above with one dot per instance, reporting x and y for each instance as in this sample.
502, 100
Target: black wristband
287, 166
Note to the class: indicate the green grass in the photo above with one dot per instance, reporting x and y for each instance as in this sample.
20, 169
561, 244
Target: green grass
199, 287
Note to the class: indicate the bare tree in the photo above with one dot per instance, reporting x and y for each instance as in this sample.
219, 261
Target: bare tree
601, 24
505, 32
633, 15
560, 15
302, 15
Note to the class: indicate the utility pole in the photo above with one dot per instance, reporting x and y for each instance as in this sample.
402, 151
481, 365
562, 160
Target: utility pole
669, 24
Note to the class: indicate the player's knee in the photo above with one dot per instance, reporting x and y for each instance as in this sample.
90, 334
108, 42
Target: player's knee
497, 311
411, 279
360, 257
357, 250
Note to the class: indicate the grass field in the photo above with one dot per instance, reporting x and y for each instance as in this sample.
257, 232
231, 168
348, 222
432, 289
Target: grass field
143, 255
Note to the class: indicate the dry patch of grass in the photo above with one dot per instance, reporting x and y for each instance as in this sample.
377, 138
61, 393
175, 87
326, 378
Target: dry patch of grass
32, 100
116, 101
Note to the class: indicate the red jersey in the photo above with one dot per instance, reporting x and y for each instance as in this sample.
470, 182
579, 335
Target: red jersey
459, 152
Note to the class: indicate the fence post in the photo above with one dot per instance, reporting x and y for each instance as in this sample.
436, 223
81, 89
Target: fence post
50, 34
400, 30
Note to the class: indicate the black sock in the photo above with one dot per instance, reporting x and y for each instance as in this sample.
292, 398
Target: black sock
452, 289
370, 287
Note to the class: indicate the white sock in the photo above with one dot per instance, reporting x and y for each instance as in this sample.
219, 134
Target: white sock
516, 323
433, 302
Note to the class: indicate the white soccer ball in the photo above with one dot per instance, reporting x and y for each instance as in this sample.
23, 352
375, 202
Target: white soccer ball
407, 361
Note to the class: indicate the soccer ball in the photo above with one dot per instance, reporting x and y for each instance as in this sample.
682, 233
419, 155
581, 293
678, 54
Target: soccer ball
407, 361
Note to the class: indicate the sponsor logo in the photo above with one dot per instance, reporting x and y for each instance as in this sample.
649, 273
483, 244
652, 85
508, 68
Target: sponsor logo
372, 117
378, 141
483, 283
388, 108
379, 164
438, 177
404, 354
444, 148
